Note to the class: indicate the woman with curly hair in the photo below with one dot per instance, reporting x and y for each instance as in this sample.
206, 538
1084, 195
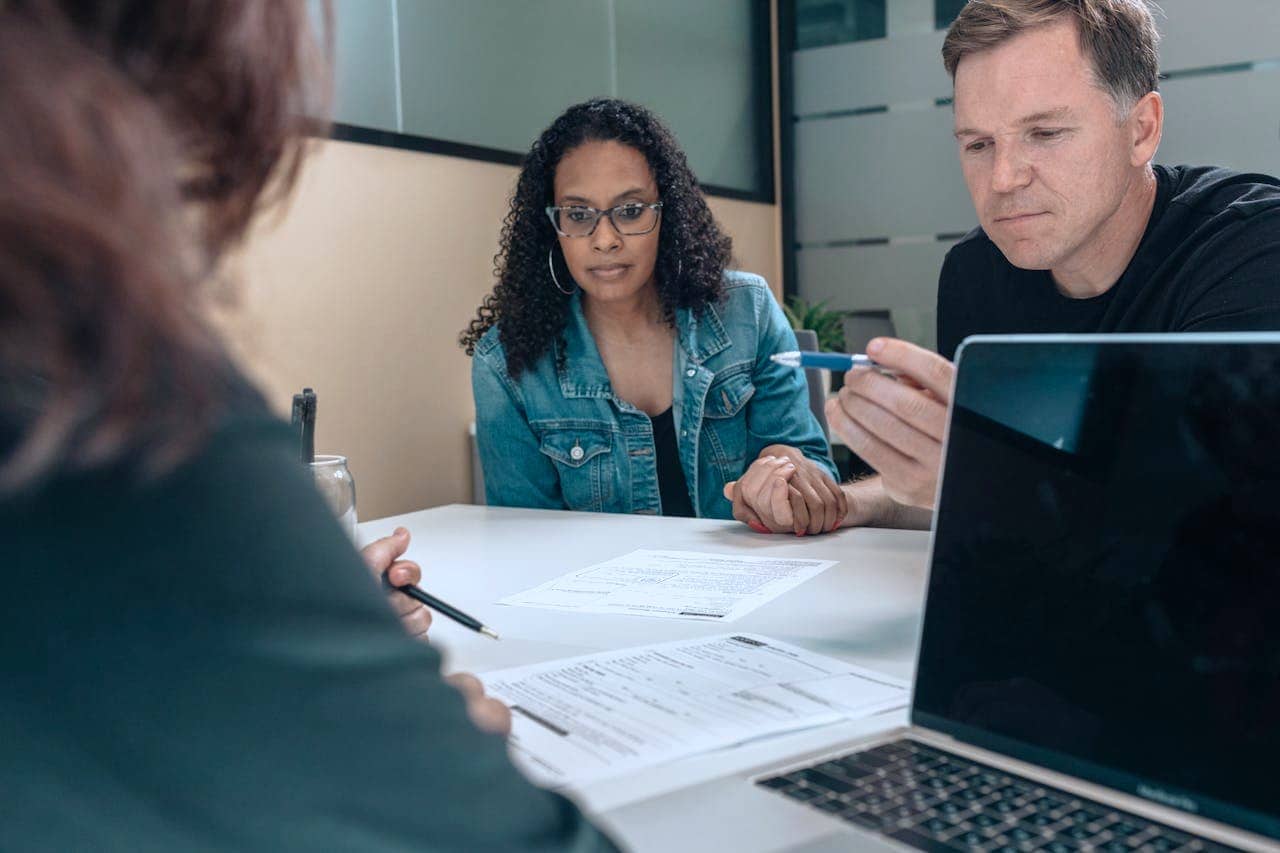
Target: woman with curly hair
619, 367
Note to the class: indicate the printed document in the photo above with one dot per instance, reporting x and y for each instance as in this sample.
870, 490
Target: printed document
673, 584
591, 717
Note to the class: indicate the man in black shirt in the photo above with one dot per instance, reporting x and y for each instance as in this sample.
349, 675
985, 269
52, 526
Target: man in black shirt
1208, 261
1057, 121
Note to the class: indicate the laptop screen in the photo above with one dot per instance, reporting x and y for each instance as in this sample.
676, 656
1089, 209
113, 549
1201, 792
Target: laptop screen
1105, 588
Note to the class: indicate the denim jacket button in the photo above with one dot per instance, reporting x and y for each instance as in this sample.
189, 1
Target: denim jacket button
576, 452
692, 372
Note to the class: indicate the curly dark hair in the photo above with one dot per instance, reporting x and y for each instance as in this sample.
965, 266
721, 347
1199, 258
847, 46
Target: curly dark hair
530, 311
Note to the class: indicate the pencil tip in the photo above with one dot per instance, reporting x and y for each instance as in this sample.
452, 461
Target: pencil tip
489, 632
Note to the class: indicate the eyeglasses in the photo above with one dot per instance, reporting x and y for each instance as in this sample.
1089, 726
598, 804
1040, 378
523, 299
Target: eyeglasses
631, 219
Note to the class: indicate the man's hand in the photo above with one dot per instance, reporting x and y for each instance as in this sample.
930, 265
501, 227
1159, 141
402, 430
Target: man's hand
383, 555
784, 491
897, 425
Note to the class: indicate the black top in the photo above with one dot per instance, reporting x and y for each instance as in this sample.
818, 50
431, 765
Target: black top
204, 662
673, 489
1208, 262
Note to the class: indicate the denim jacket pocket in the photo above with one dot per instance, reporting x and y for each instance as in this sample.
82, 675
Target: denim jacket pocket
729, 392
584, 462
726, 423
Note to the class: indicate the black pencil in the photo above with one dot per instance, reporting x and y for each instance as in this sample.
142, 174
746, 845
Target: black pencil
443, 608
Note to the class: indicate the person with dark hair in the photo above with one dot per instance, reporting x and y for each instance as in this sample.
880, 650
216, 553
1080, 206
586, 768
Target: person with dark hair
1057, 122
618, 365
194, 656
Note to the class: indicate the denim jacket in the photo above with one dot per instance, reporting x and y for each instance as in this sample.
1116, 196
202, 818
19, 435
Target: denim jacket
560, 439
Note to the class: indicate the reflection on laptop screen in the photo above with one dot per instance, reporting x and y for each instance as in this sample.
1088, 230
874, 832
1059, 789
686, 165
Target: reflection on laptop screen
1105, 590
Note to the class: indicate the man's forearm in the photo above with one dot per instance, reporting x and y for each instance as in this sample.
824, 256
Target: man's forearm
871, 506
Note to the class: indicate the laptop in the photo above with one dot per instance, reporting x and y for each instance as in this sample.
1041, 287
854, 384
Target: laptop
1099, 661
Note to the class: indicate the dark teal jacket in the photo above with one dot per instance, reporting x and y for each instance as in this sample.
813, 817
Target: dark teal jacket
204, 662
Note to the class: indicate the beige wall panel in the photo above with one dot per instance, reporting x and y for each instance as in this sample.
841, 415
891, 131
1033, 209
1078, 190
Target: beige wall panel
359, 289
756, 230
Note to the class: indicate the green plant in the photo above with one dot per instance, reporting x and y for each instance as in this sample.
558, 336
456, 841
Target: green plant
825, 322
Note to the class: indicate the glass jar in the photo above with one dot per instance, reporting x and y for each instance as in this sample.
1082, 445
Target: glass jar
334, 481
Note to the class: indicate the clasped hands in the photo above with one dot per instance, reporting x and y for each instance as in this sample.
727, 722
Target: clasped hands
894, 423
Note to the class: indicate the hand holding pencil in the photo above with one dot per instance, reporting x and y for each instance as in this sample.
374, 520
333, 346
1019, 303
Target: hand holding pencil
401, 578
383, 559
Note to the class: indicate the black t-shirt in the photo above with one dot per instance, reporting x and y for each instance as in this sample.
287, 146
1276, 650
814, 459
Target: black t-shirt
673, 489
1208, 262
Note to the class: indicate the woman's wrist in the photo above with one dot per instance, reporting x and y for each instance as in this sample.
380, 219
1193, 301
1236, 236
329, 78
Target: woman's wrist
784, 451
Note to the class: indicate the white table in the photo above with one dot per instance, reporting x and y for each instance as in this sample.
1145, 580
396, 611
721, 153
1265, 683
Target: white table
865, 610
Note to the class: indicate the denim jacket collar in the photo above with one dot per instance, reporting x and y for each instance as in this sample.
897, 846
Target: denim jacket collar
583, 373
701, 336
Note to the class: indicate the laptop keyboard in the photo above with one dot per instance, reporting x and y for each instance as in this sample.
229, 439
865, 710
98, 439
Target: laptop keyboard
934, 800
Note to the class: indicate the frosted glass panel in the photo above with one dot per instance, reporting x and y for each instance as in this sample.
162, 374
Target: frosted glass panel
872, 73
692, 63
893, 174
1223, 120
945, 11
902, 278
364, 62
824, 22
1199, 33
495, 72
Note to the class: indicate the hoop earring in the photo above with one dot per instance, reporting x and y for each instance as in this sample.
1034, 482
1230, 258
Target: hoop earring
551, 266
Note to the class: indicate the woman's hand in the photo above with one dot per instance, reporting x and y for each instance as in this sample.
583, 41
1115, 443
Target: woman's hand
785, 491
489, 714
383, 555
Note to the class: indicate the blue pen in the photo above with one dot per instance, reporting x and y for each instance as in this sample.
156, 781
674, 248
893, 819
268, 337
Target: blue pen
840, 361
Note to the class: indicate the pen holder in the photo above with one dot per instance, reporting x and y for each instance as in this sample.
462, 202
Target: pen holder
334, 481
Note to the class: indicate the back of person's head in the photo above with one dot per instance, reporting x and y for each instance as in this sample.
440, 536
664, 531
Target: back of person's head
233, 78
136, 142
692, 255
1118, 37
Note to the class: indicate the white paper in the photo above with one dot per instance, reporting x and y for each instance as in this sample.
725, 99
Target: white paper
673, 585
601, 715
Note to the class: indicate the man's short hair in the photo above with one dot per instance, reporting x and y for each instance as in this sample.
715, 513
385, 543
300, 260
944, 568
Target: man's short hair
1118, 37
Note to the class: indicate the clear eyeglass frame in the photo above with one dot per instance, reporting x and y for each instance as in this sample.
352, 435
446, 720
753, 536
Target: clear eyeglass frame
554, 211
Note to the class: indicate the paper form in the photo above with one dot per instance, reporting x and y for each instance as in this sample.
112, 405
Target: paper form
673, 585
595, 716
